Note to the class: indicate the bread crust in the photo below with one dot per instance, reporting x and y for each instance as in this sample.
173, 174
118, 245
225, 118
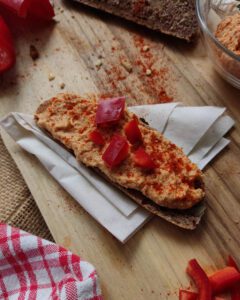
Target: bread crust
186, 219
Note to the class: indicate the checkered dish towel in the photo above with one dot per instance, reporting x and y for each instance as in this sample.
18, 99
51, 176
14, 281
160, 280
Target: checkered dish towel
33, 268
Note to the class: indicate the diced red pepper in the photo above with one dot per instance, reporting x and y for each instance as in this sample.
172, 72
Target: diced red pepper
133, 132
7, 51
235, 291
97, 138
110, 111
143, 159
224, 279
116, 152
187, 295
200, 278
19, 7
232, 263
41, 9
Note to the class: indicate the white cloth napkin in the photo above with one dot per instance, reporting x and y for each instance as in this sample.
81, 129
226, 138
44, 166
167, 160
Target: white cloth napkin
198, 130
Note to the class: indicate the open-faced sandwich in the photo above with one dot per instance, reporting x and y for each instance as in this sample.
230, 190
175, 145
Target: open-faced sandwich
105, 136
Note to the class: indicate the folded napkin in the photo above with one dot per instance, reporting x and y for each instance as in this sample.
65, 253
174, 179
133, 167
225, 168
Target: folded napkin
33, 268
198, 130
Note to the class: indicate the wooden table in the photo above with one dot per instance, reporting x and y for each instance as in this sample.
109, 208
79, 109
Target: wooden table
152, 263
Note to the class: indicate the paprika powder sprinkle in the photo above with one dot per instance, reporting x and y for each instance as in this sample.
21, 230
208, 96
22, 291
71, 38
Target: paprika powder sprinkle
138, 6
158, 78
155, 80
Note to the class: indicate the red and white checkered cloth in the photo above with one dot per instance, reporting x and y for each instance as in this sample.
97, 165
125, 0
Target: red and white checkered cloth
33, 268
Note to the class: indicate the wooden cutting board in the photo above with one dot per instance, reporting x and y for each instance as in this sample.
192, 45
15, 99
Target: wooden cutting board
90, 52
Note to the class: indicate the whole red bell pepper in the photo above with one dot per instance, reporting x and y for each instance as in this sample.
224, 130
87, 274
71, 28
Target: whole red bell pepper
116, 152
97, 138
224, 279
143, 159
201, 280
110, 111
42, 9
133, 132
7, 51
187, 295
235, 291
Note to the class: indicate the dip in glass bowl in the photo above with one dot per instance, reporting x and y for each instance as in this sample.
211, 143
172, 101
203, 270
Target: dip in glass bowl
220, 24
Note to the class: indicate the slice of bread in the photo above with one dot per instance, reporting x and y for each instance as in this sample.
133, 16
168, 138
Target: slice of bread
172, 17
173, 191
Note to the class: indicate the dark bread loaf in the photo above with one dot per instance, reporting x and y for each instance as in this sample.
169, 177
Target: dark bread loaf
172, 17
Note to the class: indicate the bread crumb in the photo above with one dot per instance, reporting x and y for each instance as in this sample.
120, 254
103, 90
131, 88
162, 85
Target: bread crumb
33, 52
126, 65
145, 48
98, 63
148, 72
51, 77
62, 85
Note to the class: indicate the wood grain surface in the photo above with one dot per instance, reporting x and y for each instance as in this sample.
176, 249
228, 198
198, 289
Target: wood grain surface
152, 263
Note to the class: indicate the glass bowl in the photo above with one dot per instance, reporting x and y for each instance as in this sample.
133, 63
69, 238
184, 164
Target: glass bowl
210, 13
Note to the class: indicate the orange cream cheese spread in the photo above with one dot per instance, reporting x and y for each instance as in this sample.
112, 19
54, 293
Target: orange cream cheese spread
154, 166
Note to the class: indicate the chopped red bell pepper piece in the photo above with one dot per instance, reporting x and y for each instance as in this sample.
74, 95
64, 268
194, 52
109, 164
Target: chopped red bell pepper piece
235, 291
116, 151
142, 159
110, 111
224, 279
232, 263
7, 51
97, 138
41, 9
19, 7
187, 295
133, 132
200, 278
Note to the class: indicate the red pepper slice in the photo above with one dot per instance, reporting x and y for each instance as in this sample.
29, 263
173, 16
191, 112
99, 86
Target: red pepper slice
187, 295
232, 263
133, 132
224, 279
97, 138
44, 10
20, 7
116, 151
142, 159
235, 291
7, 51
23, 8
200, 278
110, 111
